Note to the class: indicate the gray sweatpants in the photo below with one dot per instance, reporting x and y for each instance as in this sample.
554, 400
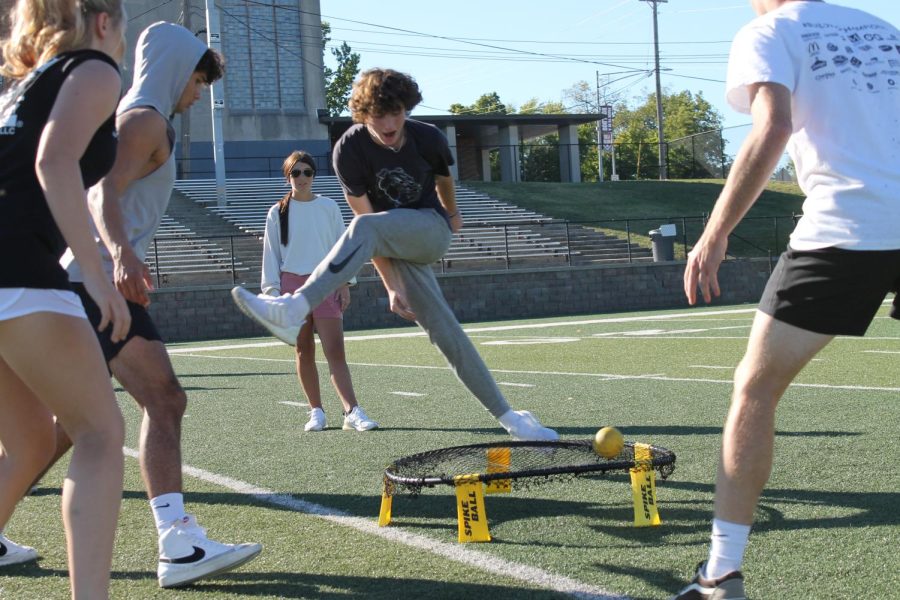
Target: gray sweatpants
413, 239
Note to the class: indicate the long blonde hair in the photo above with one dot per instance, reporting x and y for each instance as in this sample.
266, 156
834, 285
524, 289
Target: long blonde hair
41, 29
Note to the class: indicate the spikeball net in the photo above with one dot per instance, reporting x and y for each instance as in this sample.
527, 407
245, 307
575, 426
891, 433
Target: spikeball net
491, 468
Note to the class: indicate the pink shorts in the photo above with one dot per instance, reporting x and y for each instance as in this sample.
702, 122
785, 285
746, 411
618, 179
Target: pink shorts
331, 305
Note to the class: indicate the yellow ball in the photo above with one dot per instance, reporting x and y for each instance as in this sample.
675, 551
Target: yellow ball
608, 442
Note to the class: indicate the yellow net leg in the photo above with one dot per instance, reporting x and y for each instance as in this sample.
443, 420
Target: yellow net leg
387, 497
643, 488
498, 460
471, 516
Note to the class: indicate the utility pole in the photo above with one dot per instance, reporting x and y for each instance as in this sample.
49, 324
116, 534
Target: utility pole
659, 111
186, 115
599, 133
217, 99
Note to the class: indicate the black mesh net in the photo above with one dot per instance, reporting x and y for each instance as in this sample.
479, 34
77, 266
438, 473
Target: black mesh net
532, 461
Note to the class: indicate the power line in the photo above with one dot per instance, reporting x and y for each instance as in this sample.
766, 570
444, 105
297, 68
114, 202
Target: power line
150, 10
436, 36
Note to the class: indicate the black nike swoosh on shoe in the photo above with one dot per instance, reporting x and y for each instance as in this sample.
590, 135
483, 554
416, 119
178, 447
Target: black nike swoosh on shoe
338, 267
2, 549
195, 557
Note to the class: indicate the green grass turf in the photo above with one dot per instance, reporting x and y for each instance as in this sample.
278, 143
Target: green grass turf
827, 525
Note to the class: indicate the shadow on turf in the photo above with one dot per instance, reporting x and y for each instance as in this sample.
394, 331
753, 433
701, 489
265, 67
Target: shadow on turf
282, 584
636, 432
319, 585
611, 518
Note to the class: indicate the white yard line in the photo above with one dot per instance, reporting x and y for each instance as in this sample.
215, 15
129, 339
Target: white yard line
412, 394
602, 376
300, 404
458, 553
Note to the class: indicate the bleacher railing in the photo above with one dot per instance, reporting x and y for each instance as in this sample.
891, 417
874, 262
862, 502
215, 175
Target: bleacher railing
490, 246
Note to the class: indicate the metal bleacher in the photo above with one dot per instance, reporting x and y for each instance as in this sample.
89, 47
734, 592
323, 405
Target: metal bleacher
494, 230
200, 242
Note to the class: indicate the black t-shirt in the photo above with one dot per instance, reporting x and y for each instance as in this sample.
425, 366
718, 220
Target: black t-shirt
401, 179
30, 241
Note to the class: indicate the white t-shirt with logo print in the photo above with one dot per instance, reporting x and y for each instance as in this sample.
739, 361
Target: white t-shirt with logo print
842, 66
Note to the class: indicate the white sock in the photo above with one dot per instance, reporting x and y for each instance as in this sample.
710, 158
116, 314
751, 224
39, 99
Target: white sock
167, 508
729, 540
298, 308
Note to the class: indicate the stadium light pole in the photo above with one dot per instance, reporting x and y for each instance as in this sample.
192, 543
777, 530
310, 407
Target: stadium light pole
659, 111
217, 99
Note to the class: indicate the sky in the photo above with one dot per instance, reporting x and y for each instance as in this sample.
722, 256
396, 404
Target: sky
528, 49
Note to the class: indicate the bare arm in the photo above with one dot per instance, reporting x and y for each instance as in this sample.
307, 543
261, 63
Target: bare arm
770, 107
85, 101
143, 146
361, 205
446, 192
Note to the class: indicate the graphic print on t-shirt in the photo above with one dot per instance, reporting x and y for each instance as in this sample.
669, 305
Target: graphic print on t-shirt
398, 187
868, 54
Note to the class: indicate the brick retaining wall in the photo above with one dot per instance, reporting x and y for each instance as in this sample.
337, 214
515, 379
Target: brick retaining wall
200, 313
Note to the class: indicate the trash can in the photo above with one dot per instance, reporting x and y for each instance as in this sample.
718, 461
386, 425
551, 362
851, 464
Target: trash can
663, 242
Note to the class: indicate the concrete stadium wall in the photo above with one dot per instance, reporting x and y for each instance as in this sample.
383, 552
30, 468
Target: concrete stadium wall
189, 314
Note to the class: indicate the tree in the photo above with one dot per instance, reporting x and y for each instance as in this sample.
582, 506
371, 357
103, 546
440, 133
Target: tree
487, 104
338, 82
539, 157
685, 116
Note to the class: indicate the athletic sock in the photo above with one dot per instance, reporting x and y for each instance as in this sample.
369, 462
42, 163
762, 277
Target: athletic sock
729, 540
299, 307
166, 509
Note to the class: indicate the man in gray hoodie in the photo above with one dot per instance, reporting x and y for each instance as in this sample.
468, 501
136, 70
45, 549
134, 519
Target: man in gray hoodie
171, 68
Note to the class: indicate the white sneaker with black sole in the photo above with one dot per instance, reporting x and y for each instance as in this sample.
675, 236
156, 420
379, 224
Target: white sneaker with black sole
12, 553
358, 419
270, 312
186, 554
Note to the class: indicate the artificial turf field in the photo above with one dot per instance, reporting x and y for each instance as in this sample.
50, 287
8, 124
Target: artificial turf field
828, 525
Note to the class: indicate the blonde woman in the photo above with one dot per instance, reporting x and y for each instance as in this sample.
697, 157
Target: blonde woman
58, 137
300, 231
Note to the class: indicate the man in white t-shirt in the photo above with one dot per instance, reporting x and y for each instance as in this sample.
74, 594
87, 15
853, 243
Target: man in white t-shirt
822, 81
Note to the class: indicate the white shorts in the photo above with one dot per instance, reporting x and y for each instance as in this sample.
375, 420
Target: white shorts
18, 302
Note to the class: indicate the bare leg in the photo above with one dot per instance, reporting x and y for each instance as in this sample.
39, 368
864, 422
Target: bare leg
145, 371
775, 355
57, 358
307, 371
62, 444
331, 334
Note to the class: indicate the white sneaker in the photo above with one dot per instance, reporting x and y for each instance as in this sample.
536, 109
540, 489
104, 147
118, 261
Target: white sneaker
271, 313
14, 554
316, 420
186, 554
358, 419
522, 425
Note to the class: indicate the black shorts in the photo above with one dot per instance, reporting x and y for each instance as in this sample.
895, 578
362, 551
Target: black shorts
832, 291
141, 324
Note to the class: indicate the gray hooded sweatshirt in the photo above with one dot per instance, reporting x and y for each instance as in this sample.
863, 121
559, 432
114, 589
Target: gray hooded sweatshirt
165, 58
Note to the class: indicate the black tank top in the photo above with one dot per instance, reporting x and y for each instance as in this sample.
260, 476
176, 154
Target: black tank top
30, 242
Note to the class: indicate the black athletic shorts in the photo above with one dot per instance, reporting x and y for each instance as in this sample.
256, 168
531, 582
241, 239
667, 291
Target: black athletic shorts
141, 324
832, 291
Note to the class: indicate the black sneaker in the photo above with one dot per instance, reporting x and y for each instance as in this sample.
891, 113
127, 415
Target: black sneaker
727, 587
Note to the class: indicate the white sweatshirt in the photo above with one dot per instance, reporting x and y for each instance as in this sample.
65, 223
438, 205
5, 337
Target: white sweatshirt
313, 228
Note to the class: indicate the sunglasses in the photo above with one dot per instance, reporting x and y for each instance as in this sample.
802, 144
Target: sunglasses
305, 172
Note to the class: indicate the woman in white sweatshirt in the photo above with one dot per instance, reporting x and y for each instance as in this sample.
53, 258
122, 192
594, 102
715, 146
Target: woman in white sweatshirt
300, 231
